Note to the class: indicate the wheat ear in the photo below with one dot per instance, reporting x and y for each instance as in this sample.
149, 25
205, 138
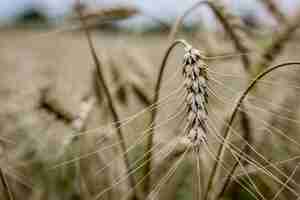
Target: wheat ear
195, 83
195, 75
232, 25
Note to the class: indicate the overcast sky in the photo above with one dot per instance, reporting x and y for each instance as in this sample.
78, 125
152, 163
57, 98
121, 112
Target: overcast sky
165, 9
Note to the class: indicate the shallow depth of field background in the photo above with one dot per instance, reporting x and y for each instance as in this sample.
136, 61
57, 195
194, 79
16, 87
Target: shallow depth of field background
47, 75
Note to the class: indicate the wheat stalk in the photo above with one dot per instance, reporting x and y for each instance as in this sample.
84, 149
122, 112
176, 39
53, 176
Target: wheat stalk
195, 83
221, 150
231, 24
278, 43
274, 10
147, 185
245, 122
7, 191
111, 105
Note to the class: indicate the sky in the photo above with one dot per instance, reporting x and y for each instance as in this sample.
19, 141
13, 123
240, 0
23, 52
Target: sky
164, 9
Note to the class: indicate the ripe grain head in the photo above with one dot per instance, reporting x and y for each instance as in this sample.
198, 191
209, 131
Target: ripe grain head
195, 82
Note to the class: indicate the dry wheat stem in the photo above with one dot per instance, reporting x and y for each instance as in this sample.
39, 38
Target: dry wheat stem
147, 185
232, 147
281, 162
245, 122
274, 10
277, 83
253, 97
293, 120
7, 191
246, 157
245, 149
123, 178
163, 101
194, 73
239, 158
165, 157
261, 120
170, 173
224, 166
249, 160
279, 42
229, 178
180, 19
110, 103
286, 182
139, 140
227, 21
221, 149
197, 177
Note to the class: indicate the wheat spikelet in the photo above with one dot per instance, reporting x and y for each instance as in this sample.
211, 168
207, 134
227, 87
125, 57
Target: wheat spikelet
195, 74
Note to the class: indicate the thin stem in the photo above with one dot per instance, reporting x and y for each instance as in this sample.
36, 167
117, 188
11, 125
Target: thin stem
278, 43
180, 19
147, 185
230, 176
247, 136
7, 192
286, 182
197, 176
221, 149
238, 44
111, 106
275, 11
237, 41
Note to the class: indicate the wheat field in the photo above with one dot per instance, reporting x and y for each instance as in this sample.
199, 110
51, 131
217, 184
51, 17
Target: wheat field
172, 114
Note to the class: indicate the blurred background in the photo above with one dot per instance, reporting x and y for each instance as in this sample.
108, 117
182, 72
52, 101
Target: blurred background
54, 11
57, 139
